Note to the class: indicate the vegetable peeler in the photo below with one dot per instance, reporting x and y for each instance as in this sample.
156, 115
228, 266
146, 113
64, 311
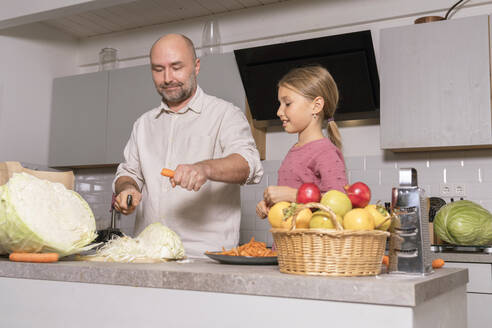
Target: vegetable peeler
108, 234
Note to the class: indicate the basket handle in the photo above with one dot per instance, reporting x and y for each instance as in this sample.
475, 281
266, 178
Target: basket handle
332, 216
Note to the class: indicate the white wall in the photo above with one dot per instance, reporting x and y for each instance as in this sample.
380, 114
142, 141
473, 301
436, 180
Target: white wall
293, 20
30, 57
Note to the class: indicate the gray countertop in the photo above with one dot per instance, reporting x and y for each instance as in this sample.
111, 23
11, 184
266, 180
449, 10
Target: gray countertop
207, 275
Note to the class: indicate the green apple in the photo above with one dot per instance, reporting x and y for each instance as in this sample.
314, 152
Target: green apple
321, 220
337, 201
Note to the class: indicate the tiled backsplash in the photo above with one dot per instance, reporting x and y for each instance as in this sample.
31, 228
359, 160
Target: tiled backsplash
95, 186
471, 169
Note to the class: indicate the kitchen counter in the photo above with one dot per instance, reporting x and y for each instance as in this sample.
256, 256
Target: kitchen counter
223, 286
207, 275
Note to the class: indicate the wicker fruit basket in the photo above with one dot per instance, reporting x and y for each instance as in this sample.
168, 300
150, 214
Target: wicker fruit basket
327, 252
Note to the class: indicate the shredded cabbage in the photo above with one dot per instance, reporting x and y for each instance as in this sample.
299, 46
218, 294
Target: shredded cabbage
41, 216
156, 242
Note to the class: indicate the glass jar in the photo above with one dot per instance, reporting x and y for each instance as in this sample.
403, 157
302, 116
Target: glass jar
211, 38
108, 59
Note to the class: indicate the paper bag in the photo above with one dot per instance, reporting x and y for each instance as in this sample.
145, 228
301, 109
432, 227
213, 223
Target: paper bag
7, 169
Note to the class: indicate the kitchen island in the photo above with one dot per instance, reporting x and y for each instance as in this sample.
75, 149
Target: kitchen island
203, 293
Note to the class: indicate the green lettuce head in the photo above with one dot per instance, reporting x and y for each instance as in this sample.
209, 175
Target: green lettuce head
464, 223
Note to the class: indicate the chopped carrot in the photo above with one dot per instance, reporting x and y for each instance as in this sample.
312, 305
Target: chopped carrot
253, 248
386, 260
437, 263
167, 173
33, 257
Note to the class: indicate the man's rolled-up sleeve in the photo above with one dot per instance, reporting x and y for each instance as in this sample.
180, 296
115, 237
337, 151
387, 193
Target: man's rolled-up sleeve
236, 138
131, 165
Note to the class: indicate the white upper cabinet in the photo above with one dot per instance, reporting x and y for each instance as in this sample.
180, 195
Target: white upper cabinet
435, 85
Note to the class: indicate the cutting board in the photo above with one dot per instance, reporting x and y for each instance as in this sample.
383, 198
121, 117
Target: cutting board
103, 259
7, 169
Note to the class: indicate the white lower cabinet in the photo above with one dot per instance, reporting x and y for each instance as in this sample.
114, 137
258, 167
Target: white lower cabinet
479, 310
479, 293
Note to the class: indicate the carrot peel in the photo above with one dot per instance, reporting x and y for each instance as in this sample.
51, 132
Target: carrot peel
33, 257
167, 173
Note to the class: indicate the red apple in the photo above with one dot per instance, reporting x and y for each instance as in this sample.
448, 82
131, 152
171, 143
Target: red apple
359, 194
308, 192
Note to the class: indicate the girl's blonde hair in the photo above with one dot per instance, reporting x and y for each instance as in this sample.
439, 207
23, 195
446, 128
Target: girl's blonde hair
312, 82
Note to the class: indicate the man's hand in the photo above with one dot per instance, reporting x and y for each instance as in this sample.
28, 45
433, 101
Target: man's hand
190, 176
125, 186
275, 194
120, 202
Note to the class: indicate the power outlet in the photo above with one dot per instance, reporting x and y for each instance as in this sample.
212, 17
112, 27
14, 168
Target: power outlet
459, 189
446, 190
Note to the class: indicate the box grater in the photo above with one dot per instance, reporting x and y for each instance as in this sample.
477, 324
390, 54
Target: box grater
409, 244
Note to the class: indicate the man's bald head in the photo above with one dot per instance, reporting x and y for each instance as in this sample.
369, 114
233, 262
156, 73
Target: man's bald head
174, 69
175, 40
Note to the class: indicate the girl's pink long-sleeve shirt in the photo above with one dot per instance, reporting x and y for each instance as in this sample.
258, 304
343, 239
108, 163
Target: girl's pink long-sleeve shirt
319, 162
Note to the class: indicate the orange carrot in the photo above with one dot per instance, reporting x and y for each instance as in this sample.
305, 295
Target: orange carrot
167, 173
33, 257
386, 260
437, 263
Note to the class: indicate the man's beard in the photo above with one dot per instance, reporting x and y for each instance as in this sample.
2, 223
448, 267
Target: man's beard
184, 92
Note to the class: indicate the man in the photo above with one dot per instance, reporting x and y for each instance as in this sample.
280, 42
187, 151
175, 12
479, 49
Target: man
206, 140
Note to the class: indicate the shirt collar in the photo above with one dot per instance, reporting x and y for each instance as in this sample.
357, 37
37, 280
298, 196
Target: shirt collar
195, 104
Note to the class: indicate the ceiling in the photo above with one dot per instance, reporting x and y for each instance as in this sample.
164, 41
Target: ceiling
141, 13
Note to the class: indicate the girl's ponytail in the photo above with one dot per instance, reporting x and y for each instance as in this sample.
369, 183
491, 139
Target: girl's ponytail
334, 134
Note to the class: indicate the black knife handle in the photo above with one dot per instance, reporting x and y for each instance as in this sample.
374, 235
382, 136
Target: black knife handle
129, 200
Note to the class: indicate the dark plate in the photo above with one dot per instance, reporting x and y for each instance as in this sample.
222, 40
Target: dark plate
229, 259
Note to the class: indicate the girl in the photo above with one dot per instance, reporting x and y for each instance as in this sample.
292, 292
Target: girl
307, 96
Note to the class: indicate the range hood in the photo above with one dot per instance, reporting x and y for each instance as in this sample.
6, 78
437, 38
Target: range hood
348, 57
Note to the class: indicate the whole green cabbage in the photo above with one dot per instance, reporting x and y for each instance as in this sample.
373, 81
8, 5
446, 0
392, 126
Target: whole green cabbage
41, 216
464, 223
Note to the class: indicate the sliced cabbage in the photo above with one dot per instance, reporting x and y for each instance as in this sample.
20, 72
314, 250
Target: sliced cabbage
157, 242
41, 216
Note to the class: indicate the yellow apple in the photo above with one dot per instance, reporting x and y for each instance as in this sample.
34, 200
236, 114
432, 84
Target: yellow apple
321, 220
337, 201
358, 219
302, 220
379, 214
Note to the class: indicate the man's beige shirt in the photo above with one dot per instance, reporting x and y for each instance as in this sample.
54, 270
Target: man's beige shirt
207, 128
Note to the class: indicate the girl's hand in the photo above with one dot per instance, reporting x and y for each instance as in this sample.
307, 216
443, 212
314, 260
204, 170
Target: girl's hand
275, 194
262, 209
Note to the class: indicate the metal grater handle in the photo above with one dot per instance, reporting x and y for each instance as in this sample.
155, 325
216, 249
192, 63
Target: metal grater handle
408, 177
